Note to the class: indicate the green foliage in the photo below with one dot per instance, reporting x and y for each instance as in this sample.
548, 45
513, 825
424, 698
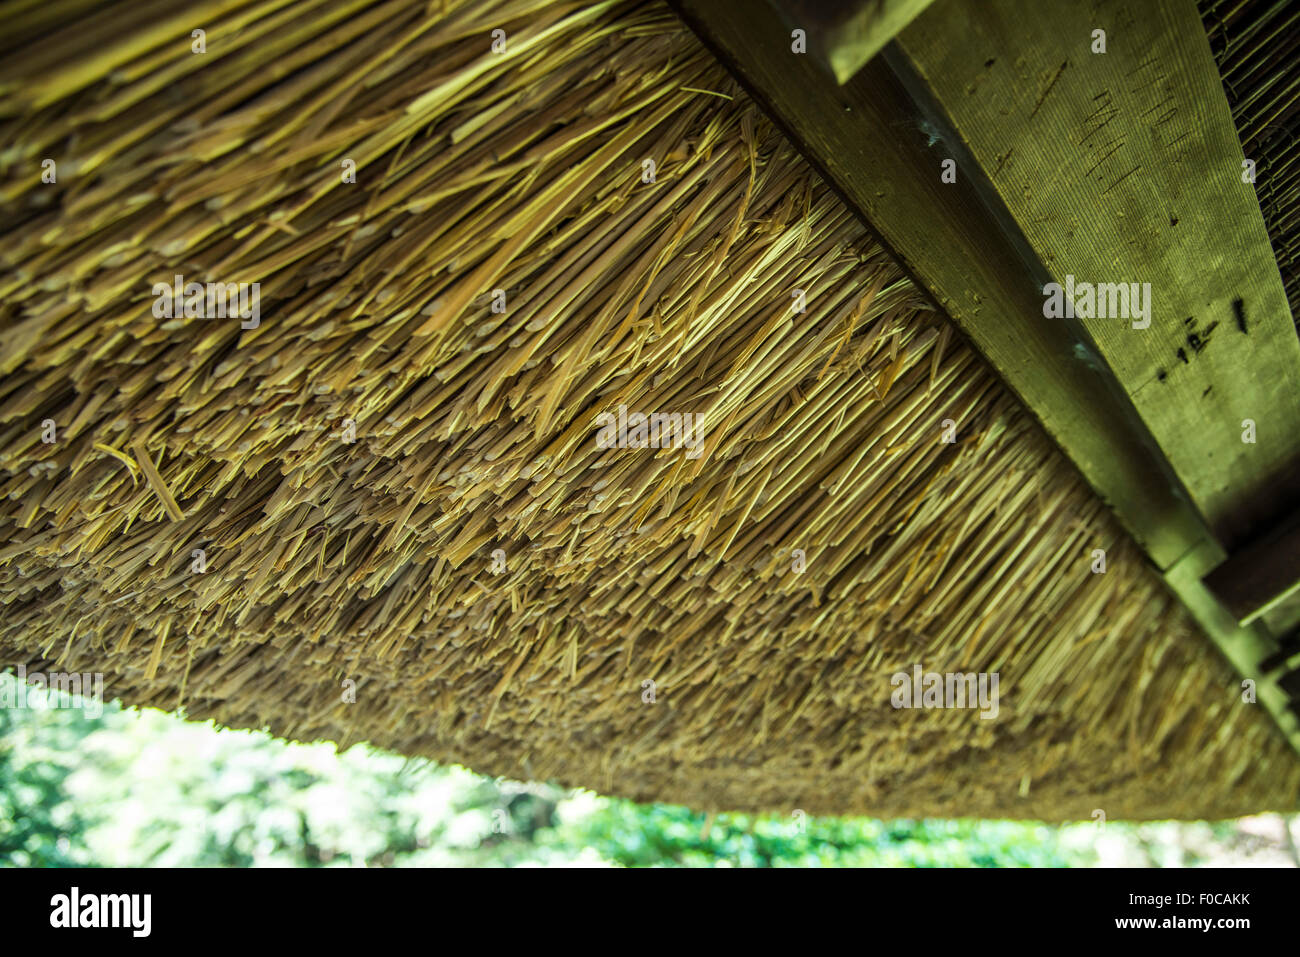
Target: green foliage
143, 788
40, 823
660, 835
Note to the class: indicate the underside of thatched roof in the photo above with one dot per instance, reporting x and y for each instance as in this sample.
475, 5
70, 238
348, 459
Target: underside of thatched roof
1256, 46
392, 487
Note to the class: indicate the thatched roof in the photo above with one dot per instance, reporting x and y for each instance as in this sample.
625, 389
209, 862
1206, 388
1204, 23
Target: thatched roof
372, 561
1256, 45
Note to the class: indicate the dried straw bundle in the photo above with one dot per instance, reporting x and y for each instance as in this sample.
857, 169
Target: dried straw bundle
372, 561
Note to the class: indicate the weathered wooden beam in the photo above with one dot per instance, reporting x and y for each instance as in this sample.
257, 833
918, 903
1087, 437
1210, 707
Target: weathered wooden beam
1260, 577
872, 143
882, 140
1283, 616
1247, 648
1105, 133
845, 34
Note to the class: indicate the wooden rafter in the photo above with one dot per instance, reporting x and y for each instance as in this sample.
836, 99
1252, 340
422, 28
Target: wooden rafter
846, 34
1010, 92
1122, 167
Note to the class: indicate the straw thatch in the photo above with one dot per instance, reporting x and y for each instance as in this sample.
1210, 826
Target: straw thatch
1256, 45
331, 561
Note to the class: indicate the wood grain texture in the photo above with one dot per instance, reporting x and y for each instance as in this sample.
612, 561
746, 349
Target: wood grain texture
846, 34
880, 140
870, 142
1124, 166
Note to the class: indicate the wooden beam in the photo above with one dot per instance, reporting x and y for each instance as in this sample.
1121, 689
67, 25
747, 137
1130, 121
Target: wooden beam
1260, 577
845, 34
882, 139
1123, 167
1247, 648
880, 152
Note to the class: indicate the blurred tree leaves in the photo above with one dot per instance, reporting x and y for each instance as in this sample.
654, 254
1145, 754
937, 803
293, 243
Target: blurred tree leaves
144, 788
40, 824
